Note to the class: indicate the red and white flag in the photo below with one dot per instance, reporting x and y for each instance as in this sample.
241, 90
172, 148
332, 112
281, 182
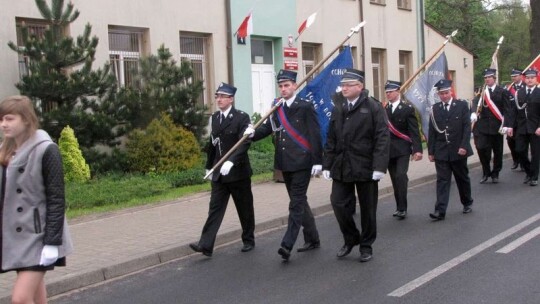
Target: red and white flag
535, 64
246, 28
307, 23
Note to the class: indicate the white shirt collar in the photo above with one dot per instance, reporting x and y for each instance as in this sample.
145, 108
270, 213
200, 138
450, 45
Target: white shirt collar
353, 102
290, 101
226, 112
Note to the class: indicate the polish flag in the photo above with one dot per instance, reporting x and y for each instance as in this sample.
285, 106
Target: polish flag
307, 23
535, 64
246, 28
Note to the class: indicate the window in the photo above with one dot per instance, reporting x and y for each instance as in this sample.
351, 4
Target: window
378, 63
262, 52
404, 65
36, 28
381, 2
194, 48
404, 4
311, 56
125, 50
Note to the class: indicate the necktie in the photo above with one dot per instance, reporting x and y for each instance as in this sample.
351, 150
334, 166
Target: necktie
350, 106
528, 92
394, 106
221, 118
446, 107
490, 91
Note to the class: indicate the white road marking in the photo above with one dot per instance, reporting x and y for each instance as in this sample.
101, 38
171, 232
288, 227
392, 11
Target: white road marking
522, 240
430, 275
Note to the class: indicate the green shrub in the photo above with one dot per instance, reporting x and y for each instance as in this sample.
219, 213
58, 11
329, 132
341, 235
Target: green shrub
103, 163
75, 167
162, 147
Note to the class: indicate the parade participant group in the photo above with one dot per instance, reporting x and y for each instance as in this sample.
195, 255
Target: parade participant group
365, 139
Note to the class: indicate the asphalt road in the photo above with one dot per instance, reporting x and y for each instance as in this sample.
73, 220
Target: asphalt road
415, 260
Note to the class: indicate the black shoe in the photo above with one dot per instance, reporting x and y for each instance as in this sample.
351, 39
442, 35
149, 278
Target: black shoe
515, 165
197, 248
533, 183
309, 246
401, 214
247, 247
395, 213
365, 257
345, 250
285, 253
495, 180
467, 209
527, 179
437, 216
484, 179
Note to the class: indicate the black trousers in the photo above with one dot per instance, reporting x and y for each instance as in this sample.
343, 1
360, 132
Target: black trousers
444, 170
511, 141
344, 203
397, 168
219, 198
523, 142
300, 214
485, 145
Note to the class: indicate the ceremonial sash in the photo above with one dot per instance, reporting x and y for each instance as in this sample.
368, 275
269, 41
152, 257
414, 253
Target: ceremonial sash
395, 131
491, 105
291, 131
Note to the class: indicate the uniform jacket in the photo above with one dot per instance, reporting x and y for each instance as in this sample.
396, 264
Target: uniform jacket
487, 122
358, 141
34, 204
457, 124
527, 119
405, 121
223, 137
516, 88
289, 156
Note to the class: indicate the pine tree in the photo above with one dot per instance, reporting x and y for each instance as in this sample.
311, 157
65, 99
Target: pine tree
166, 86
75, 167
60, 78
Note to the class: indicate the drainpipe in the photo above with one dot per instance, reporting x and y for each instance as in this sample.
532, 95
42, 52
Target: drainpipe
420, 32
229, 42
362, 37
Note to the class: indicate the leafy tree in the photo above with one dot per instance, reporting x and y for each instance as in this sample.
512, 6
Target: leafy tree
61, 81
165, 87
480, 24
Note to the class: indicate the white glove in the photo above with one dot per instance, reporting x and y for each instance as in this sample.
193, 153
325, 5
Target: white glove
249, 131
49, 255
504, 130
226, 168
316, 170
326, 175
474, 117
377, 175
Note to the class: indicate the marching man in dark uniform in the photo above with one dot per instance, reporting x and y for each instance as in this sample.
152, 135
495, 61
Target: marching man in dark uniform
513, 88
298, 155
405, 142
233, 178
449, 147
527, 133
493, 117
356, 157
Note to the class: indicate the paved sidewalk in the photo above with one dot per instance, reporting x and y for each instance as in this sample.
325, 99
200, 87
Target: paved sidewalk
113, 245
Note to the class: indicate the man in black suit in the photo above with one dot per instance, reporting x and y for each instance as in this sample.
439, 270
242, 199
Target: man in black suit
494, 111
513, 88
233, 178
298, 155
356, 157
527, 116
405, 142
449, 147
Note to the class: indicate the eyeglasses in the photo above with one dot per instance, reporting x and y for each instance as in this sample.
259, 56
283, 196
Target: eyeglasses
348, 85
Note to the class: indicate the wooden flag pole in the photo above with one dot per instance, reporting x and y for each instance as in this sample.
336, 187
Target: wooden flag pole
423, 66
353, 31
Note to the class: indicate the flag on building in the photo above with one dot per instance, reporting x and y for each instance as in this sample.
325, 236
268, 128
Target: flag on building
306, 24
245, 29
422, 93
323, 87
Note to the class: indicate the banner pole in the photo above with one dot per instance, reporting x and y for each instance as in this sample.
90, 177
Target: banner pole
353, 31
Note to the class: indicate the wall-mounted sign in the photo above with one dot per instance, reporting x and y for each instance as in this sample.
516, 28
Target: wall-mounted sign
290, 65
290, 52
